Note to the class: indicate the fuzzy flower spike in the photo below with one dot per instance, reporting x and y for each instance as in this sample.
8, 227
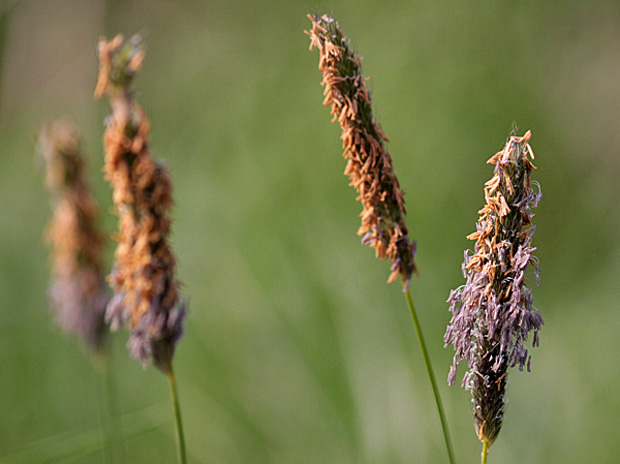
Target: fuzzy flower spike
369, 167
147, 297
493, 313
369, 164
77, 291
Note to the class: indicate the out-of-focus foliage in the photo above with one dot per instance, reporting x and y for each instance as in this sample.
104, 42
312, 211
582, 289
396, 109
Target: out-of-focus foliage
296, 350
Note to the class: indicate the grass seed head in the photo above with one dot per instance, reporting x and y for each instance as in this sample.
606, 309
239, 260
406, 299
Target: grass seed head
147, 297
493, 314
77, 289
369, 164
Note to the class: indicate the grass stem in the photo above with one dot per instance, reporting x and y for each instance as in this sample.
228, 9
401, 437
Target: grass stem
485, 451
431, 375
182, 454
108, 408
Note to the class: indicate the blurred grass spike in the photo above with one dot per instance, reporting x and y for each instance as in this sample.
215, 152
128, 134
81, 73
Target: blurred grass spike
77, 290
147, 297
493, 312
146, 290
369, 165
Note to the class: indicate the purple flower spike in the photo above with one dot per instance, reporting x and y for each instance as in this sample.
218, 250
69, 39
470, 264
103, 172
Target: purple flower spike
493, 314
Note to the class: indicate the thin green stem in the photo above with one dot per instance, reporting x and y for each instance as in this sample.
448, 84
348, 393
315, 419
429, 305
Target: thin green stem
111, 428
485, 451
431, 376
182, 454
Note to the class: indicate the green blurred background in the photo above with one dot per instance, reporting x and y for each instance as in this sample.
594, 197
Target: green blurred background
296, 351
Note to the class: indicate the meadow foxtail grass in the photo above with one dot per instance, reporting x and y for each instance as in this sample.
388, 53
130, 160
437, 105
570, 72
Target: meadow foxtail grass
146, 295
493, 314
78, 290
369, 167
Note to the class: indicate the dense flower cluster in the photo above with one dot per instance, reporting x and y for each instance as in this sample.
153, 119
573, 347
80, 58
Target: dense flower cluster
147, 297
369, 164
77, 290
493, 312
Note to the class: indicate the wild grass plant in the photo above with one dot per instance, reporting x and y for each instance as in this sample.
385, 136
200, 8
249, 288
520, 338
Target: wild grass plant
77, 291
146, 298
493, 313
369, 167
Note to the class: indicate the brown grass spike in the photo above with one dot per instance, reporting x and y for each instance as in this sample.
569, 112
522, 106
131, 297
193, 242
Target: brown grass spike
369, 164
77, 290
147, 296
